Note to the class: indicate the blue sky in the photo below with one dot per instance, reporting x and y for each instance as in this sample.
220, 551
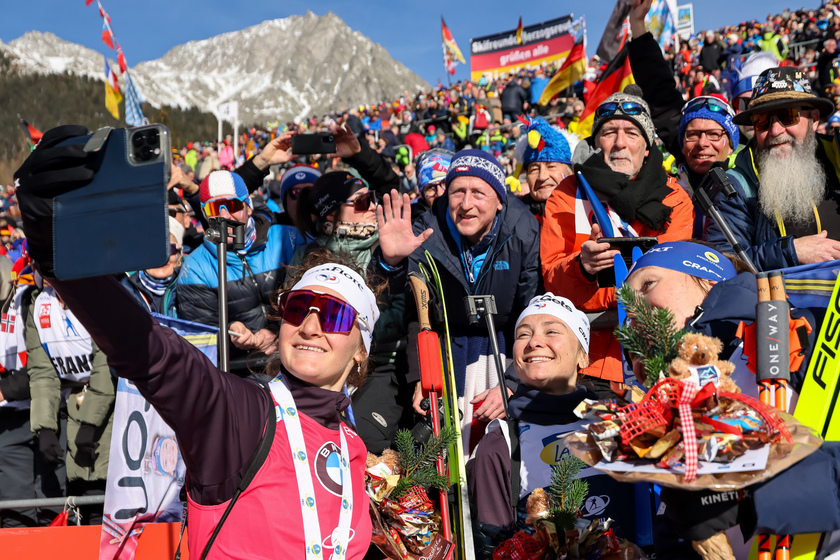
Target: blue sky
410, 31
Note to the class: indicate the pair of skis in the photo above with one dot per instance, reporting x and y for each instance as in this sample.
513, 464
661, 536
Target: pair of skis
438, 379
818, 401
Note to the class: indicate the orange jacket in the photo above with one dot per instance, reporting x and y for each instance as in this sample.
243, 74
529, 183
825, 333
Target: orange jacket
565, 227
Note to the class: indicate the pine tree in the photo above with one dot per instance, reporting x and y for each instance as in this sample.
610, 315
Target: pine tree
567, 492
651, 335
419, 462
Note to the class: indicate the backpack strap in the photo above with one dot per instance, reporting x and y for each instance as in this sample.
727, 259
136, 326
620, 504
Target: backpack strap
259, 459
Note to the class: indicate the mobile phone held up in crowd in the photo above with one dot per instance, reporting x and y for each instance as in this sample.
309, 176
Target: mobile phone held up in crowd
318, 143
606, 277
119, 221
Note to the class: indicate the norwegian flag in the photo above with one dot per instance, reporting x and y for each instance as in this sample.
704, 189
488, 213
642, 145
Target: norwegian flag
88, 2
7, 323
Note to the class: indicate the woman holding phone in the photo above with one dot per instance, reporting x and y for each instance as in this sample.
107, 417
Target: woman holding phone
308, 495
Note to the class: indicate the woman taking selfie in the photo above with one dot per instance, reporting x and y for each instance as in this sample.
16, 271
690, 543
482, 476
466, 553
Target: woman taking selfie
307, 499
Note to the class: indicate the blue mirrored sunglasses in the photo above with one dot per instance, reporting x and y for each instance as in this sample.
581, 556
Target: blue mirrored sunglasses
711, 103
627, 108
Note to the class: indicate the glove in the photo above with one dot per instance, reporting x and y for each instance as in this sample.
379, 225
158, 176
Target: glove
50, 446
49, 171
699, 515
85, 446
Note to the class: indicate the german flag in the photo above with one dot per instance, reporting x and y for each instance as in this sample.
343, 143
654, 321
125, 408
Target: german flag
449, 44
616, 77
572, 70
519, 32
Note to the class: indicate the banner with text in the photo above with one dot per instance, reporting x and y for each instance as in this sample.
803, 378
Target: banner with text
549, 41
145, 468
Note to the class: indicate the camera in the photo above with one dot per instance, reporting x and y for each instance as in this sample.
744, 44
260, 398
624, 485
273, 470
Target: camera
145, 146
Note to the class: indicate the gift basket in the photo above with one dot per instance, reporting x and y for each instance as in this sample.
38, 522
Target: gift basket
407, 522
693, 429
559, 528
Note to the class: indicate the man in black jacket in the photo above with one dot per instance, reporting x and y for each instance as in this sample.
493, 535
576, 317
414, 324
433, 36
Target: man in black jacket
484, 243
514, 100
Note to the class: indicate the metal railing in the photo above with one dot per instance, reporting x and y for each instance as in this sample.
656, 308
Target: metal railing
797, 50
70, 501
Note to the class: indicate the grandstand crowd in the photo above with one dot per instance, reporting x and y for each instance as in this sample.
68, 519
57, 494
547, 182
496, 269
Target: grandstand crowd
496, 188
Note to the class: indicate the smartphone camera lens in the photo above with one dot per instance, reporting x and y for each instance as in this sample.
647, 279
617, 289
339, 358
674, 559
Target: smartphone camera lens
138, 140
153, 137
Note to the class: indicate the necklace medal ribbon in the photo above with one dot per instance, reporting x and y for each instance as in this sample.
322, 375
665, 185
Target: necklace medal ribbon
288, 414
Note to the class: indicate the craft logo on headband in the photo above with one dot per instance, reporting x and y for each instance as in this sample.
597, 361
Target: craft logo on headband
689, 258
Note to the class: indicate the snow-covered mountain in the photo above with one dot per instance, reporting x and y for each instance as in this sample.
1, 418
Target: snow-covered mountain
280, 69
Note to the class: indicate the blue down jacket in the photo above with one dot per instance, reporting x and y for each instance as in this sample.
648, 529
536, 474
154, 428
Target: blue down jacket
251, 279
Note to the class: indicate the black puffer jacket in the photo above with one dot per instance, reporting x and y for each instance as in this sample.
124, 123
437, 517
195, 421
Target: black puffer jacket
511, 270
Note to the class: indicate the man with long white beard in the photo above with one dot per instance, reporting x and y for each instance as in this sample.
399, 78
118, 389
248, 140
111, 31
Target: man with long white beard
786, 210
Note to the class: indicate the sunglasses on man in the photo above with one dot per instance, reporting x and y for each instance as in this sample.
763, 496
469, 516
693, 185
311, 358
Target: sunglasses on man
630, 108
334, 314
213, 208
787, 117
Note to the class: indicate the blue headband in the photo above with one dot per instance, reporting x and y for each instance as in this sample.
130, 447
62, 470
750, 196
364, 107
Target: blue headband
690, 258
723, 119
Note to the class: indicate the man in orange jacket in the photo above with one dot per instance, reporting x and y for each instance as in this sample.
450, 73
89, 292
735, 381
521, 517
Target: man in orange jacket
624, 167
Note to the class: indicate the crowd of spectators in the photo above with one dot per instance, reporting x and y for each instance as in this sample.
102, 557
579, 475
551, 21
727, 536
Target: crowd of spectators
387, 146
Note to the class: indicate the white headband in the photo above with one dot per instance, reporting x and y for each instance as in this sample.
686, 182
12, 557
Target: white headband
352, 288
562, 308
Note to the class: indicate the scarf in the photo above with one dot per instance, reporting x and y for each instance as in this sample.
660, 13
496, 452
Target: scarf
250, 236
156, 286
639, 198
530, 405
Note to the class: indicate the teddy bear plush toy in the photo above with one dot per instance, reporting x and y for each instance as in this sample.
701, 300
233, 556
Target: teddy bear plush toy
697, 352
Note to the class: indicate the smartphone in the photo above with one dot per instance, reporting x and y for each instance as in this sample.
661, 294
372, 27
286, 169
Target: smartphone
118, 222
606, 277
317, 143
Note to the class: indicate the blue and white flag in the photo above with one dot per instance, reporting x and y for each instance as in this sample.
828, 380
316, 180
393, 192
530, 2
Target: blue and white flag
133, 111
661, 21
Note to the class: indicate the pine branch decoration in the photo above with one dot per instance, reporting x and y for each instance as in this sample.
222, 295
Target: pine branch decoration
651, 336
419, 463
567, 491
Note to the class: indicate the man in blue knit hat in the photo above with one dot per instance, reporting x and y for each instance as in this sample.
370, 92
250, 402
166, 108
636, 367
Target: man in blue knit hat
706, 132
484, 242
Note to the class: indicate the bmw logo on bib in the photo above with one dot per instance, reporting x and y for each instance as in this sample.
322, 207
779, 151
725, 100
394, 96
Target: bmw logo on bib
328, 467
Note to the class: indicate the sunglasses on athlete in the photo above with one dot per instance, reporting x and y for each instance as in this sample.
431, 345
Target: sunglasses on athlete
334, 314
362, 204
213, 208
713, 104
630, 108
